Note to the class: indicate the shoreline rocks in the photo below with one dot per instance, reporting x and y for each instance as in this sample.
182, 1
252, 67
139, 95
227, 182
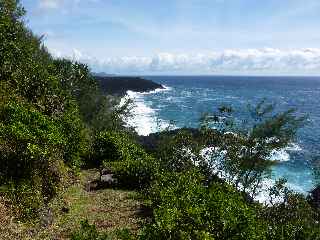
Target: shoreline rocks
120, 85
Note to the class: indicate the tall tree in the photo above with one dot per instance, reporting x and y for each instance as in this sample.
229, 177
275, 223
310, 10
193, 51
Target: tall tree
243, 152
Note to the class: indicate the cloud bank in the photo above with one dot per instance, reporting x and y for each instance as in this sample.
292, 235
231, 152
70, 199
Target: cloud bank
244, 61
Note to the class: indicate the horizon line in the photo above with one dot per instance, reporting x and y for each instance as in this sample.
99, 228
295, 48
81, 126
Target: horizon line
205, 75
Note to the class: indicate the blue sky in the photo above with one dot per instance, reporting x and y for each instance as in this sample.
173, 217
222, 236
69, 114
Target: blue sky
182, 36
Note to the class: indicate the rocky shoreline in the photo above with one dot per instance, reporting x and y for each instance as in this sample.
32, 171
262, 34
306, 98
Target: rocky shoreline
120, 85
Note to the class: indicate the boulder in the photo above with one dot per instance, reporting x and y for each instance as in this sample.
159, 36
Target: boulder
315, 197
107, 178
46, 217
92, 185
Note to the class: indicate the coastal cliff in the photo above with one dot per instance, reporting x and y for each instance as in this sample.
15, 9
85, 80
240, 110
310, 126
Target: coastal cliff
120, 85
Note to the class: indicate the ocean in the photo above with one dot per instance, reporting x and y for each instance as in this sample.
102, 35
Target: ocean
187, 98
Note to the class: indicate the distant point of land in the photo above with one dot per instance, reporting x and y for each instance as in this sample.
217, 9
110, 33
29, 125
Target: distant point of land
118, 85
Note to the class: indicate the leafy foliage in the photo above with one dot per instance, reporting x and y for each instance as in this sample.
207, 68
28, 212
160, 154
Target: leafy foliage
133, 167
31, 147
176, 152
28, 140
49, 110
292, 218
248, 147
89, 232
189, 203
53, 117
185, 208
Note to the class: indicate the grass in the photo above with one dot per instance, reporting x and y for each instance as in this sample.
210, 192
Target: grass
108, 209
9, 229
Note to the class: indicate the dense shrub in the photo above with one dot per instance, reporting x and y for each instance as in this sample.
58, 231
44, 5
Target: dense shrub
184, 208
47, 107
75, 136
177, 152
98, 111
24, 62
28, 140
31, 146
292, 218
76, 79
133, 167
244, 147
90, 232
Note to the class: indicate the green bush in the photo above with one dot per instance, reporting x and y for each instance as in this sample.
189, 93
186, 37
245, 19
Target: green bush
49, 110
98, 111
75, 136
292, 218
133, 167
25, 197
76, 79
177, 152
90, 232
31, 160
28, 140
25, 63
184, 208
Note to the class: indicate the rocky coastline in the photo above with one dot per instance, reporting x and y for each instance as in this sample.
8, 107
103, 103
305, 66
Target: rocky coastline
117, 85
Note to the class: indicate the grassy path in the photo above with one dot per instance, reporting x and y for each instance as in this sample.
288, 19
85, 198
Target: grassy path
108, 209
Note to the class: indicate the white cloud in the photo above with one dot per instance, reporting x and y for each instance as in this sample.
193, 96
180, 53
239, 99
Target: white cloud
259, 61
50, 4
58, 4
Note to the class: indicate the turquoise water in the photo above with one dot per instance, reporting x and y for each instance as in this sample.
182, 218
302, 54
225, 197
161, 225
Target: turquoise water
187, 98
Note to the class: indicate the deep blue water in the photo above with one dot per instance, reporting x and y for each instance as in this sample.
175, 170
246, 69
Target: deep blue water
192, 96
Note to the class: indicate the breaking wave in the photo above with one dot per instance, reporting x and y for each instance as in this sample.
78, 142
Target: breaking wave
145, 120
142, 117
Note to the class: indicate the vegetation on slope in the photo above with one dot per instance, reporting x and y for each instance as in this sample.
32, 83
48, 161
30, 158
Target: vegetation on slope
55, 121
50, 112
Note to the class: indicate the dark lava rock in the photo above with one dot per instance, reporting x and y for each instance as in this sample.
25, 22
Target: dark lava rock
46, 217
107, 178
92, 185
120, 85
314, 197
152, 141
65, 209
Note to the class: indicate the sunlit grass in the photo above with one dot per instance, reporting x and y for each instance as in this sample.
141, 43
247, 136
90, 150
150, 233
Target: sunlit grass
108, 209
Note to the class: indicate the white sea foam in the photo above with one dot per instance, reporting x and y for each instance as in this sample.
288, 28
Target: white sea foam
158, 90
214, 157
279, 155
142, 117
263, 195
283, 155
293, 147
